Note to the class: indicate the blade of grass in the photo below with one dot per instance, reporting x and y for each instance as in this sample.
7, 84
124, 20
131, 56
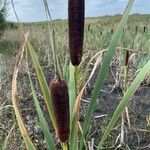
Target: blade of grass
52, 39
28, 142
72, 88
44, 127
66, 71
74, 133
104, 70
126, 98
43, 83
51, 33
5, 144
72, 98
81, 131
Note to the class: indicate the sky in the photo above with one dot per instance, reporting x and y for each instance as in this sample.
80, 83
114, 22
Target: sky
33, 10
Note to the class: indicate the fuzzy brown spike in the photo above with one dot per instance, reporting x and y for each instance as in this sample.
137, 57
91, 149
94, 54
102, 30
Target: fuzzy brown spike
127, 58
76, 10
144, 29
112, 31
60, 100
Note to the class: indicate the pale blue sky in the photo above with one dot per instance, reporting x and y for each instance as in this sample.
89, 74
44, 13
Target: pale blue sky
33, 10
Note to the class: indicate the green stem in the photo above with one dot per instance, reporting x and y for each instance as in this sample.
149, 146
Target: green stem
125, 78
76, 79
64, 146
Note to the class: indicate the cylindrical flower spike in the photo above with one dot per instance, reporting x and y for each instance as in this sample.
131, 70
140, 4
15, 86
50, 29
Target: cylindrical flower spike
136, 29
127, 58
76, 10
144, 29
112, 31
60, 100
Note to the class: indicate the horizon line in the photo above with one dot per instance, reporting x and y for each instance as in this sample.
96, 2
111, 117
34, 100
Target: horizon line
63, 19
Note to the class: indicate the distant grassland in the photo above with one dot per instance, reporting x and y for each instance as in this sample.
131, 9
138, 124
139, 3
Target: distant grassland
98, 33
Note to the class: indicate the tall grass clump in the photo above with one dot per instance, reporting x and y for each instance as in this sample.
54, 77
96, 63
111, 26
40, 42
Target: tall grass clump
63, 97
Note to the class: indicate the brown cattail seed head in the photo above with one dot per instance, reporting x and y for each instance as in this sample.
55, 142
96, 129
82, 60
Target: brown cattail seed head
112, 31
76, 10
60, 100
127, 58
144, 29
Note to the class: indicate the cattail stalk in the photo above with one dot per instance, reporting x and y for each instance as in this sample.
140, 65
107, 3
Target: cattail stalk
144, 29
112, 31
136, 29
60, 100
127, 58
76, 10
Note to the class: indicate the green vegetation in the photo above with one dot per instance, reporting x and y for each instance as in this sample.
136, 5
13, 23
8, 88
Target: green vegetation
105, 48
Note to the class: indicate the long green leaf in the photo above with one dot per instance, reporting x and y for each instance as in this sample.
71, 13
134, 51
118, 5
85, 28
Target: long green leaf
104, 70
126, 98
72, 88
74, 133
72, 98
47, 135
43, 83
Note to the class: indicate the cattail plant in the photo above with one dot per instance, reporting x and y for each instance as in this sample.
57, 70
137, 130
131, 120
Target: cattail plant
112, 31
76, 10
127, 58
126, 112
144, 29
57, 100
136, 29
60, 100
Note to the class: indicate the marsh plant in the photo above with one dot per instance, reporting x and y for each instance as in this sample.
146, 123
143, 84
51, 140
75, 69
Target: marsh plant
63, 95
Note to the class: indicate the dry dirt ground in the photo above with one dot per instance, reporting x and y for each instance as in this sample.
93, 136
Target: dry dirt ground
138, 138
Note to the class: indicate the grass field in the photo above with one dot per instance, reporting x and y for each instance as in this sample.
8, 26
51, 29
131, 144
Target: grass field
98, 34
